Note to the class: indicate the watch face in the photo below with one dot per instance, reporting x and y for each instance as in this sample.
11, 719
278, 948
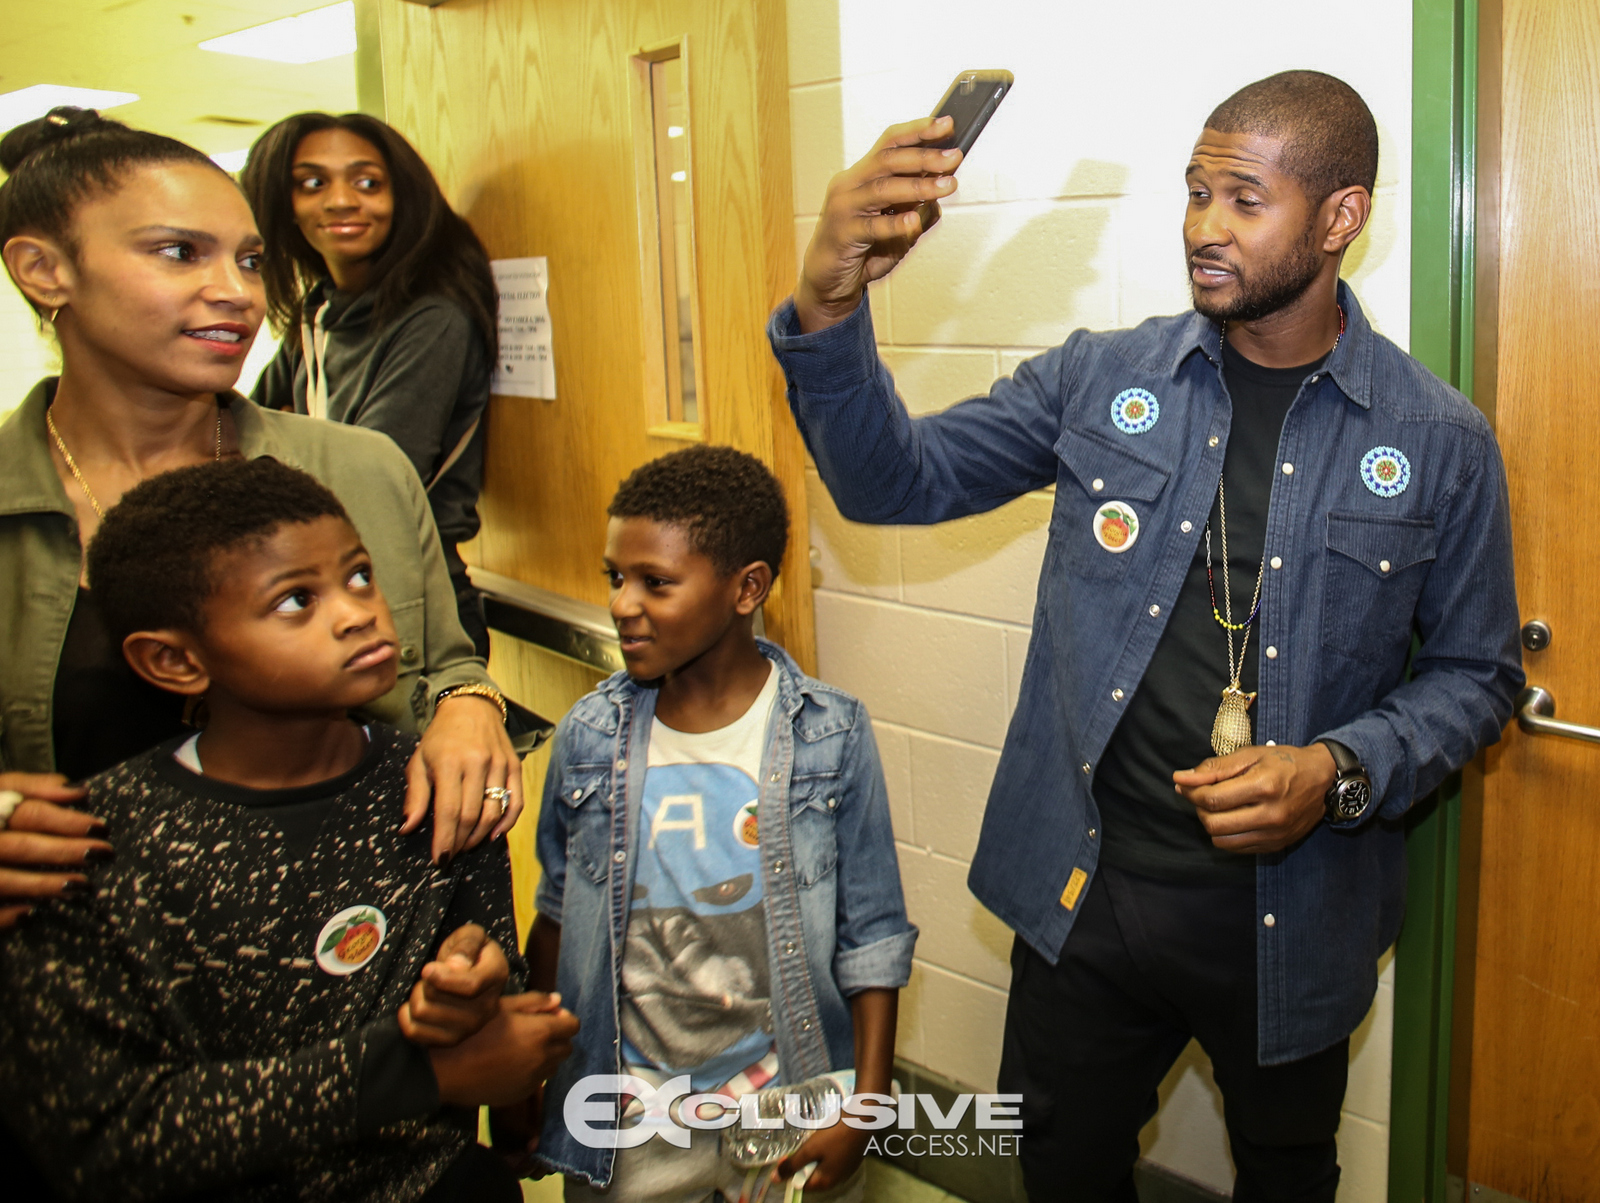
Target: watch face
1352, 799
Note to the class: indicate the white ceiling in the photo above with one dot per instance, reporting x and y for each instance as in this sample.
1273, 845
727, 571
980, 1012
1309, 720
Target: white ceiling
218, 102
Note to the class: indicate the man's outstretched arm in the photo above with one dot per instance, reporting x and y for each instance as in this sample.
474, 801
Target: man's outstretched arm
879, 464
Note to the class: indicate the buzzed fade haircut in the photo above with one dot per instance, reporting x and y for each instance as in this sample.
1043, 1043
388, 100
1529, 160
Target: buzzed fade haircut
729, 503
1330, 140
150, 563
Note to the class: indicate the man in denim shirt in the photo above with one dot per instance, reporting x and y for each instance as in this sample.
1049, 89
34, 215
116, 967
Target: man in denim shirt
1193, 828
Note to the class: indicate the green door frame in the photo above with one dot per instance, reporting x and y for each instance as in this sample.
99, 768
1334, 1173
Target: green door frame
1444, 92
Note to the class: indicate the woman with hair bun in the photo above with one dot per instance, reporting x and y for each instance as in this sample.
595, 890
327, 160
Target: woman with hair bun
144, 258
386, 305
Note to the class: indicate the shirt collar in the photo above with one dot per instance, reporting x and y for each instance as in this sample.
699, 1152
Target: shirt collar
793, 685
1350, 365
29, 485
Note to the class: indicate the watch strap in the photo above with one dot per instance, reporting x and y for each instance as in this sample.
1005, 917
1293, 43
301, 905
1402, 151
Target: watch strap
1344, 760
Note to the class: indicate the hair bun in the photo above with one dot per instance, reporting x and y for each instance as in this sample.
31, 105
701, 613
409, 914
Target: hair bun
61, 124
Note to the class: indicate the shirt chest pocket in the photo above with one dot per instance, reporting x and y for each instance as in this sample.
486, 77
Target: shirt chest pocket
813, 803
586, 796
1097, 538
1375, 573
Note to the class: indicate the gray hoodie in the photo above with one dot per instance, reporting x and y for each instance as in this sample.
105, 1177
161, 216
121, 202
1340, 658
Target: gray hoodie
423, 380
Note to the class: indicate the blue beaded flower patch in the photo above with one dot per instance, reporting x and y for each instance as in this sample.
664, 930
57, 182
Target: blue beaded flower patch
1135, 410
1386, 471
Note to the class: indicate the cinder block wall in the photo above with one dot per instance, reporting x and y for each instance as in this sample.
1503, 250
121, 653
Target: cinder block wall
1068, 216
25, 353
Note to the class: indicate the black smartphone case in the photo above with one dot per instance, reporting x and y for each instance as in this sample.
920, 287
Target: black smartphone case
971, 101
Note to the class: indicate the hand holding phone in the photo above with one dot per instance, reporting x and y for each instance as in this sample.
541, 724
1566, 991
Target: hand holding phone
971, 100
876, 210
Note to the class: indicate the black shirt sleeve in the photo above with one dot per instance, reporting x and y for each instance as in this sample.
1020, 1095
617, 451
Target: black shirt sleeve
143, 1114
397, 1079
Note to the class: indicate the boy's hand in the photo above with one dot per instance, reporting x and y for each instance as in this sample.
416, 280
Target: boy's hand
837, 1150
464, 752
46, 846
509, 1059
459, 991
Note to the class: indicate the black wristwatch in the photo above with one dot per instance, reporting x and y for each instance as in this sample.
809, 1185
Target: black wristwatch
1350, 794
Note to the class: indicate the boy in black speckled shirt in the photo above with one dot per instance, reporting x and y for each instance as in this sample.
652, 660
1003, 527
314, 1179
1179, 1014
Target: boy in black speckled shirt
270, 994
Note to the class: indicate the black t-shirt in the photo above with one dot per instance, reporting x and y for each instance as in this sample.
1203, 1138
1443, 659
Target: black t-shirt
103, 712
1148, 827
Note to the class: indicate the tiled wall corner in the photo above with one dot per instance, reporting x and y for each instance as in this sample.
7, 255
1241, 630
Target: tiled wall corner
1067, 215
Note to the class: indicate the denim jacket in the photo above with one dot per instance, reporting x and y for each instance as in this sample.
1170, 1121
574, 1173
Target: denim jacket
1356, 569
836, 919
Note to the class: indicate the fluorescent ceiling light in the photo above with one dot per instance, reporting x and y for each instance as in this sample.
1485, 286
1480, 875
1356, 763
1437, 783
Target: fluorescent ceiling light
679, 177
674, 131
25, 105
232, 161
309, 38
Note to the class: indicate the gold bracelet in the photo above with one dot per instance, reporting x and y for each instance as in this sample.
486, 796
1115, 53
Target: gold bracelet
476, 691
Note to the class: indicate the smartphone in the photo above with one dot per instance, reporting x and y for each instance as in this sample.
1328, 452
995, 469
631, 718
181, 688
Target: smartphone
971, 101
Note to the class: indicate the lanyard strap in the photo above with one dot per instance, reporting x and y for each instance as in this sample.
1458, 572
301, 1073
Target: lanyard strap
314, 346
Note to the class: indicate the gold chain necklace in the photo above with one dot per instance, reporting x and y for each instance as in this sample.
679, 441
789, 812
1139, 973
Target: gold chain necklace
77, 474
1230, 730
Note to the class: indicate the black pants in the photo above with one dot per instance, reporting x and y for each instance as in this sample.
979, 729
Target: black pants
1148, 965
477, 1176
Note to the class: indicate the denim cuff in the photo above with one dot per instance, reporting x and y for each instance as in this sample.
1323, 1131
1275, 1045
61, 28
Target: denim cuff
545, 899
882, 965
834, 360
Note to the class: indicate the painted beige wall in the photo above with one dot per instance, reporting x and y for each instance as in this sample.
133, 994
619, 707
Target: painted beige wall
1068, 215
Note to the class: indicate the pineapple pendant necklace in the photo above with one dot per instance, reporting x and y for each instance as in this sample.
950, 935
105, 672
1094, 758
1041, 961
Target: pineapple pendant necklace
1230, 731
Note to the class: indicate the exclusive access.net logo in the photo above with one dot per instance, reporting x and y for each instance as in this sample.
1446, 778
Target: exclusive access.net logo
621, 1111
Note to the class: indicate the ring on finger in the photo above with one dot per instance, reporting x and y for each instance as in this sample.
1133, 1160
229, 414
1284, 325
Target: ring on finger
500, 794
10, 799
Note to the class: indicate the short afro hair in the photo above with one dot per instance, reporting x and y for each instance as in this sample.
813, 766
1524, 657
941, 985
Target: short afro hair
1330, 140
729, 503
150, 562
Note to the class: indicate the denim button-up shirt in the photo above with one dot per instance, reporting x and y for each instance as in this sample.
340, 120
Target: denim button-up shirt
836, 917
1358, 568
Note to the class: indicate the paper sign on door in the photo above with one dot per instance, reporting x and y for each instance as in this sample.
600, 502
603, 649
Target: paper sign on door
526, 367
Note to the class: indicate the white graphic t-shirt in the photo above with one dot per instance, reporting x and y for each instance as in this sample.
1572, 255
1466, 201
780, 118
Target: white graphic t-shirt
694, 974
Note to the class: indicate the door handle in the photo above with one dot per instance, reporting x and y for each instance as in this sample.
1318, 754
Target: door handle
1536, 710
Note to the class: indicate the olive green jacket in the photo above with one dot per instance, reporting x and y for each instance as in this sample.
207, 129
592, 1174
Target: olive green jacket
41, 557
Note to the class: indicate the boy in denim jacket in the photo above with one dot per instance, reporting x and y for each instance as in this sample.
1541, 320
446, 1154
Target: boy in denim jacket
716, 847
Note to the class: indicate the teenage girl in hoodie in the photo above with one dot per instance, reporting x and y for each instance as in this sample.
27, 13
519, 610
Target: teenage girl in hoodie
386, 306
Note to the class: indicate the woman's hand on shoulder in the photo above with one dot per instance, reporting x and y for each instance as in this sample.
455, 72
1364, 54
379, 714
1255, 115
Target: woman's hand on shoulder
464, 753
46, 845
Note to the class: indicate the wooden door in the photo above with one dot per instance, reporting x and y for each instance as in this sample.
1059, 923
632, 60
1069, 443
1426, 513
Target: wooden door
1533, 1123
528, 111
536, 116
